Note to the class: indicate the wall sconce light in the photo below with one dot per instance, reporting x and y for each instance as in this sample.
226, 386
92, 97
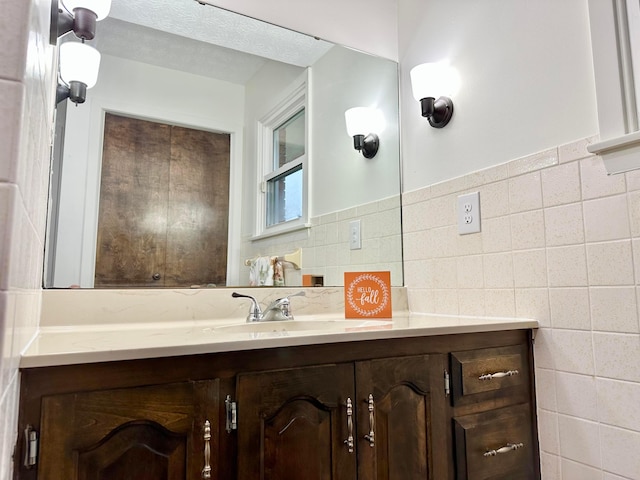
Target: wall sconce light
79, 65
432, 84
364, 124
77, 15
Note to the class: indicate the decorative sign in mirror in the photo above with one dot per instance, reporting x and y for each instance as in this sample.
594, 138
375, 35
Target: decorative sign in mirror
213, 152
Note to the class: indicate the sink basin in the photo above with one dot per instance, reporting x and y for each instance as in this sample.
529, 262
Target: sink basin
302, 326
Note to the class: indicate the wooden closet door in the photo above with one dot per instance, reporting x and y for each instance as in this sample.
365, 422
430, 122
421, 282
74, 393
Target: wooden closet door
198, 214
134, 194
164, 202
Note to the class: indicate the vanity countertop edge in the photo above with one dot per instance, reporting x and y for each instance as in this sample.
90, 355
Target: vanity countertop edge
71, 345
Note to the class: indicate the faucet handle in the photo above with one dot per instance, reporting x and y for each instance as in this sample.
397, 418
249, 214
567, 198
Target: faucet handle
255, 314
280, 309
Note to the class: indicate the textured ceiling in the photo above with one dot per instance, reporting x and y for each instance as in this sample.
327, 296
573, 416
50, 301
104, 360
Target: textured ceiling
200, 39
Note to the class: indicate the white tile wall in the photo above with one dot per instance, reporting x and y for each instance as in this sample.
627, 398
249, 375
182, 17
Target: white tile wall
560, 242
26, 88
325, 248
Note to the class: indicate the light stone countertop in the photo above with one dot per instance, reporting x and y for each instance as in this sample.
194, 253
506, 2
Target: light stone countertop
100, 342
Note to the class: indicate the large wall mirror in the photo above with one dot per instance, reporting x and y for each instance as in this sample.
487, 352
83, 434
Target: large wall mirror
213, 152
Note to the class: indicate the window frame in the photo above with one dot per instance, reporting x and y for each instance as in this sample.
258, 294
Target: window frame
295, 98
615, 42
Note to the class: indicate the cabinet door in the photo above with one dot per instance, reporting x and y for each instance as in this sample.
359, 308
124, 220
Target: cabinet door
143, 433
292, 424
401, 404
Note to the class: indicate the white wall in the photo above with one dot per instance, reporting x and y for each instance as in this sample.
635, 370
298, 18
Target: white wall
368, 25
263, 92
354, 179
560, 239
143, 91
26, 106
527, 82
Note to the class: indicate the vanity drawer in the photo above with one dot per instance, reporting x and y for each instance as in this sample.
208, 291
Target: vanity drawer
497, 444
477, 373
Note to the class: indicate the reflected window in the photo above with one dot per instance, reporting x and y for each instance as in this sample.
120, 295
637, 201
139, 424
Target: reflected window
284, 197
289, 140
284, 191
283, 167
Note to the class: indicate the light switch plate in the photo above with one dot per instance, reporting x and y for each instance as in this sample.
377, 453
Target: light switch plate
469, 213
355, 242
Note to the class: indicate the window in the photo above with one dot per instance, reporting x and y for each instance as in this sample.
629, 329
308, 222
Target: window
284, 183
283, 164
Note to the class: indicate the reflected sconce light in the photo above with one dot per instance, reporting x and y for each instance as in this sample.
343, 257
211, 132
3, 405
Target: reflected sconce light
432, 85
79, 16
364, 124
79, 65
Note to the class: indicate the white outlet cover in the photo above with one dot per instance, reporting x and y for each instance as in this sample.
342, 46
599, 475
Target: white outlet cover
355, 242
468, 211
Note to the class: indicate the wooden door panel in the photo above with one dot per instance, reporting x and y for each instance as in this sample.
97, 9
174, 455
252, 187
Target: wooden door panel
292, 424
132, 217
301, 427
408, 394
164, 205
140, 450
144, 432
402, 450
198, 214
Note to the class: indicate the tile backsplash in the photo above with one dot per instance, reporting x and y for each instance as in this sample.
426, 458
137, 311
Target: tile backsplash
325, 246
559, 243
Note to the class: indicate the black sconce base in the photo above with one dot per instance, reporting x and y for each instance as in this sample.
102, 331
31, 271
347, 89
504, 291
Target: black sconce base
76, 92
438, 112
82, 22
368, 145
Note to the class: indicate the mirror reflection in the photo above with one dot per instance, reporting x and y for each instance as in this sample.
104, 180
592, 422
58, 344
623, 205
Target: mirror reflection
213, 152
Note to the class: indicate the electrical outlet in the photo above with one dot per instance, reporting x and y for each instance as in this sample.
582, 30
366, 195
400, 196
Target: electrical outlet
469, 213
355, 242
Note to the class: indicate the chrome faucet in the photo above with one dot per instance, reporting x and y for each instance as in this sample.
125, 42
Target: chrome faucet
277, 310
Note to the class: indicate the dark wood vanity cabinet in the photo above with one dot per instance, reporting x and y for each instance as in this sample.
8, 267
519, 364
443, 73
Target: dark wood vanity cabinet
407, 408
152, 432
492, 410
367, 420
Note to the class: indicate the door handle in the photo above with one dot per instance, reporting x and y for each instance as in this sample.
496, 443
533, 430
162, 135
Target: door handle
509, 447
491, 376
371, 435
349, 441
206, 471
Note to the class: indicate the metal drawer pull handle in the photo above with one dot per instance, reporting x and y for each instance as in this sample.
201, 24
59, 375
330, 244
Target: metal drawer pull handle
372, 420
491, 376
509, 447
206, 471
349, 440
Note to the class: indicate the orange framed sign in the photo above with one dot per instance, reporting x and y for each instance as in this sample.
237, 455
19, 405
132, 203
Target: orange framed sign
367, 294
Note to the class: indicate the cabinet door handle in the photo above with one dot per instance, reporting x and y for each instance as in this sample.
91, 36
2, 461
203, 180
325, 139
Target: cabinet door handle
509, 447
371, 435
349, 441
491, 376
206, 471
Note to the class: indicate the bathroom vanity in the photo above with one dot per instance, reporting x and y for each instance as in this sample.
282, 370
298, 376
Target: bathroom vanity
422, 396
